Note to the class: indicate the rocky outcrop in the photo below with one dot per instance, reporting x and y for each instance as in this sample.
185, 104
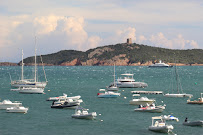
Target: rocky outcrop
8, 64
99, 51
75, 62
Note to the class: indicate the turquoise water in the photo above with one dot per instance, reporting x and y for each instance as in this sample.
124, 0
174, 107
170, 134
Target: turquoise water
117, 115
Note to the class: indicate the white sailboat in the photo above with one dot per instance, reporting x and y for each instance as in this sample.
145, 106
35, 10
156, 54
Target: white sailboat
113, 87
179, 88
30, 83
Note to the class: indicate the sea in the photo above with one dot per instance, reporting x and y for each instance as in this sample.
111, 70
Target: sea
115, 115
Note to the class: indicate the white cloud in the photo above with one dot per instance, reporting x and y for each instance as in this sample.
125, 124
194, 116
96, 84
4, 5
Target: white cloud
93, 42
122, 35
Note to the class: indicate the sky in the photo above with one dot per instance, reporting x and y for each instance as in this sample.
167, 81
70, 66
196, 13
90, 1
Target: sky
85, 24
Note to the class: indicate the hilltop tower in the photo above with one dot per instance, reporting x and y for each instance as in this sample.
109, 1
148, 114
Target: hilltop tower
129, 41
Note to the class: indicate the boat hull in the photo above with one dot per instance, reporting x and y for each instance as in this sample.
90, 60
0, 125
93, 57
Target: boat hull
37, 84
162, 129
156, 110
178, 95
32, 91
89, 116
131, 84
10, 110
193, 123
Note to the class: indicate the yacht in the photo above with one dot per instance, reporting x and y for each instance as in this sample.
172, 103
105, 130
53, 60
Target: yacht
113, 87
31, 90
68, 103
160, 125
7, 103
29, 82
18, 109
160, 64
127, 81
82, 113
141, 101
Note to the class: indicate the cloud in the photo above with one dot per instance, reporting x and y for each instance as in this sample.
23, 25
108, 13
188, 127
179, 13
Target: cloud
159, 40
93, 42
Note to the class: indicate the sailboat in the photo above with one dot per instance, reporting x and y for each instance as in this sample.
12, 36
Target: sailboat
179, 88
113, 87
25, 84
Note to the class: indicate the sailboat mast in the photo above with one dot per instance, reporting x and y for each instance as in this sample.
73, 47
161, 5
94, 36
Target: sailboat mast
35, 62
114, 75
22, 75
177, 79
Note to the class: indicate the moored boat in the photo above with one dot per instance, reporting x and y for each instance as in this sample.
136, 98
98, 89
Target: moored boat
31, 90
150, 108
160, 65
160, 125
18, 109
141, 101
108, 94
199, 101
7, 103
82, 113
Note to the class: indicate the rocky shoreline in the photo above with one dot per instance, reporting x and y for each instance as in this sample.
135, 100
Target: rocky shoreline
75, 62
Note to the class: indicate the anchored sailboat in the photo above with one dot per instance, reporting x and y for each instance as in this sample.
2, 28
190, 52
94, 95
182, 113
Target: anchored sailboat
29, 83
179, 88
113, 87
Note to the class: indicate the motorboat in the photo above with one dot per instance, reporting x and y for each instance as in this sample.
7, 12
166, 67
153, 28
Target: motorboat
127, 81
29, 82
18, 109
31, 90
179, 90
108, 94
160, 125
199, 101
113, 87
64, 97
7, 104
169, 118
160, 64
193, 123
68, 103
150, 108
141, 100
82, 113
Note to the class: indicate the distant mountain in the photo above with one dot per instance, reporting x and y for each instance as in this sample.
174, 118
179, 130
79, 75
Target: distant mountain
121, 54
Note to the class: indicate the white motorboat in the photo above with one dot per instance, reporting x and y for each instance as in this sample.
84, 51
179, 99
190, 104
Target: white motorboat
169, 117
160, 64
199, 101
178, 88
29, 82
82, 113
113, 87
18, 109
129, 82
160, 125
68, 103
108, 94
7, 104
31, 90
141, 101
150, 108
64, 97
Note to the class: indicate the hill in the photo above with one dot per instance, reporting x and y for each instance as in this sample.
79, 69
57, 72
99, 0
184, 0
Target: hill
121, 54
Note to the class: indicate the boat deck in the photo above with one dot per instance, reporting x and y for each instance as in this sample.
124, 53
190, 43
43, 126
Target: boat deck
147, 92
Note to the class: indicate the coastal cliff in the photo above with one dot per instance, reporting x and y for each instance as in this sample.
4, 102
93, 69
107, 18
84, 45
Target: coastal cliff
121, 54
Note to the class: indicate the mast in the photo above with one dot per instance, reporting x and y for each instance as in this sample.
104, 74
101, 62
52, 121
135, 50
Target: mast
22, 76
177, 82
35, 61
114, 75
